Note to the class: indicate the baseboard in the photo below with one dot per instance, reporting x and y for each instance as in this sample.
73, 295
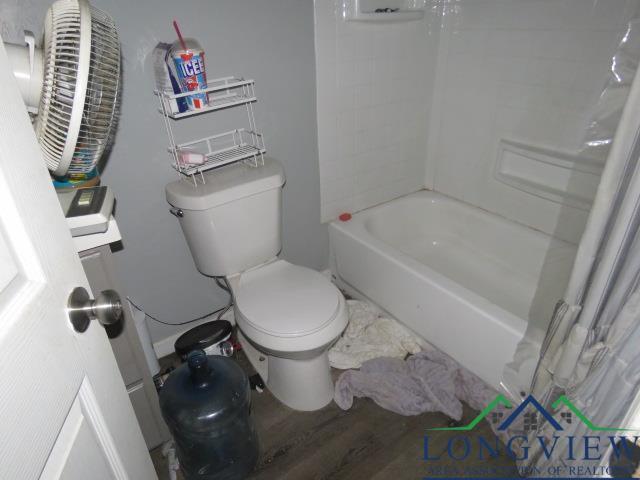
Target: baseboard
164, 347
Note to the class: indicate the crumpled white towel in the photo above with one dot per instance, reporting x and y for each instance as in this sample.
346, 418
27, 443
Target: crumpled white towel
429, 381
370, 335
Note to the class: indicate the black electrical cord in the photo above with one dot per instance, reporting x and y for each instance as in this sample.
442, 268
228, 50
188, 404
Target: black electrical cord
224, 286
219, 311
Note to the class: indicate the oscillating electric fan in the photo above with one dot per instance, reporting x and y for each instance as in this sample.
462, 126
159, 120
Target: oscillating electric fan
71, 83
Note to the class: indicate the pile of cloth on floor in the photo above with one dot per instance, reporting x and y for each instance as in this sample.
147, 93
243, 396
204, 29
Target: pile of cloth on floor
369, 335
427, 381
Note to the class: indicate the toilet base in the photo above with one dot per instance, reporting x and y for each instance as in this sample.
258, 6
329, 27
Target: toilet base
301, 384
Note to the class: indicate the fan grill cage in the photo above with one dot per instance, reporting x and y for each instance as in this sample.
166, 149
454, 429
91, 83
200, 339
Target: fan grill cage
64, 74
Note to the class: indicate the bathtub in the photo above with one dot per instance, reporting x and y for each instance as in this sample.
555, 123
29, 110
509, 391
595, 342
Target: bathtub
468, 281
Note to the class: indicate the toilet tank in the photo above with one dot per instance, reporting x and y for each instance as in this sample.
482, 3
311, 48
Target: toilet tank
231, 216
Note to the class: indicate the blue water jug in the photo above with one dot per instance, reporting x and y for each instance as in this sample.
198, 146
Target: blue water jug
206, 403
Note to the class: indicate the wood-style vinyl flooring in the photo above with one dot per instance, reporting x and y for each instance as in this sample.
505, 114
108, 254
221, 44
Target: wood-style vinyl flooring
363, 443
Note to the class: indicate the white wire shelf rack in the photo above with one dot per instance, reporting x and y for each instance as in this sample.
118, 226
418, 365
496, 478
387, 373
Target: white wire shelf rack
222, 92
223, 149
238, 145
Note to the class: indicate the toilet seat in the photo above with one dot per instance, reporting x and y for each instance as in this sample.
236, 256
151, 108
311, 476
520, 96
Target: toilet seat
286, 300
287, 309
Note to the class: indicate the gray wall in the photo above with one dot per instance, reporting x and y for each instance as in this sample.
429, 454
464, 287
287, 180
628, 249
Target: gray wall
268, 40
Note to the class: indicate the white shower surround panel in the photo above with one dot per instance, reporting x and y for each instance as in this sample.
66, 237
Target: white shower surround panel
434, 98
459, 276
374, 88
523, 71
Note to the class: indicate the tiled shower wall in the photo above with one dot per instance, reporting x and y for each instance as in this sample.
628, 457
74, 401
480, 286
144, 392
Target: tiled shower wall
425, 104
374, 91
523, 70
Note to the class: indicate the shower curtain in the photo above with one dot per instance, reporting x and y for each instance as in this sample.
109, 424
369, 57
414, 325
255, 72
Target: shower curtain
605, 246
596, 145
590, 353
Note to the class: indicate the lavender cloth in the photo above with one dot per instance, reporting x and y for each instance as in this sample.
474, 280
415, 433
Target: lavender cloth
428, 381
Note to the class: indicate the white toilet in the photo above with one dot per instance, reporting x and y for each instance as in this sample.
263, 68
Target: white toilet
288, 316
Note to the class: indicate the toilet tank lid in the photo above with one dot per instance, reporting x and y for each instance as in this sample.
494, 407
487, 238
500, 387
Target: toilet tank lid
224, 185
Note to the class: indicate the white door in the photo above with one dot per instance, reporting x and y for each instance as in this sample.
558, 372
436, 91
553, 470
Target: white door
64, 412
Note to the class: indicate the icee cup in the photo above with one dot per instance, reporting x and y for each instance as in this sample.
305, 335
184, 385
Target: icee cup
191, 73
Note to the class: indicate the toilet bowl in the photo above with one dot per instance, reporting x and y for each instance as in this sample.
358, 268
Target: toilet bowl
287, 315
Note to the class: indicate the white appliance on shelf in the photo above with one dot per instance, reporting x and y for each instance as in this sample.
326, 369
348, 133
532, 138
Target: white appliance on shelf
71, 86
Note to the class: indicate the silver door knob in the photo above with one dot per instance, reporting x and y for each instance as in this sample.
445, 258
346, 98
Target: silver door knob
106, 308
